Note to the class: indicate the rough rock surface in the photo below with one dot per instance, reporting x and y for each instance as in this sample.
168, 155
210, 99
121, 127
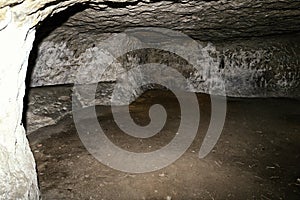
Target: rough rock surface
251, 67
259, 67
18, 18
47, 105
17, 169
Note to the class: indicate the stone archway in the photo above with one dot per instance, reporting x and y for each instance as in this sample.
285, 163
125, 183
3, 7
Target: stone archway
18, 179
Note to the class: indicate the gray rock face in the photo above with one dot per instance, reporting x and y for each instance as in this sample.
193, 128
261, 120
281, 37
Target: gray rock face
209, 20
256, 67
259, 67
264, 66
47, 105
250, 67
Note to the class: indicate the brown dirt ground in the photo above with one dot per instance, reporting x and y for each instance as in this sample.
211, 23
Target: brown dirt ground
257, 156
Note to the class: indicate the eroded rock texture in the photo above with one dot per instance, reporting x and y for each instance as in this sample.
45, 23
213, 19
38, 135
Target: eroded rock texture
254, 67
259, 67
251, 67
265, 66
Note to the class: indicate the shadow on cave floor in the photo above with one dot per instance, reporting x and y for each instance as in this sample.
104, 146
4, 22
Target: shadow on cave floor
257, 156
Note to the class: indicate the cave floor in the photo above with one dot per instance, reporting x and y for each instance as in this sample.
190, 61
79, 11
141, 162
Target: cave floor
256, 157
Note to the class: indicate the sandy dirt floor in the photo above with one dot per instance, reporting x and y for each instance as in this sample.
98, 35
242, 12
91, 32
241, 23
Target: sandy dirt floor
256, 157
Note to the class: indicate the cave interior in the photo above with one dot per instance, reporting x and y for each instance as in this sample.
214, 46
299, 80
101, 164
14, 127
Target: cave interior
247, 54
